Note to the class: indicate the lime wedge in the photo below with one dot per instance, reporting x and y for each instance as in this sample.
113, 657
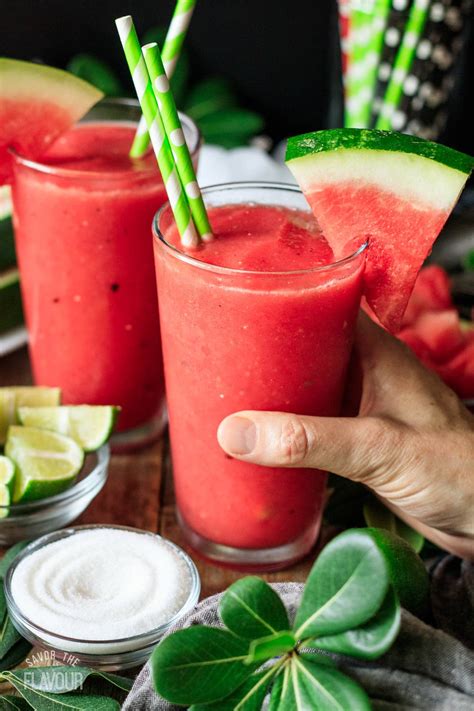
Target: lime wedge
13, 398
7, 412
88, 425
7, 471
7, 478
5, 500
47, 462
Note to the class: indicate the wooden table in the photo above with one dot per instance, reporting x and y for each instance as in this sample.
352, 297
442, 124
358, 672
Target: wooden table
139, 493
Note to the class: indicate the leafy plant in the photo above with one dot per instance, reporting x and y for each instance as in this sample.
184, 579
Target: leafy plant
378, 515
350, 605
352, 504
13, 648
52, 688
58, 688
97, 72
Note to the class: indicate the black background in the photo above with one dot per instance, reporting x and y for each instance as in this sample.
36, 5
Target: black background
282, 55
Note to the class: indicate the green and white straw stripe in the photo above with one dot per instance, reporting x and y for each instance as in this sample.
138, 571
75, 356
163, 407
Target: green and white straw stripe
159, 140
171, 50
374, 51
174, 131
403, 63
141, 140
176, 34
357, 92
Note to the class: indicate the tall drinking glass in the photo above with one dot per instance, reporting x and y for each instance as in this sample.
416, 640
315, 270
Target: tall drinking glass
82, 219
237, 340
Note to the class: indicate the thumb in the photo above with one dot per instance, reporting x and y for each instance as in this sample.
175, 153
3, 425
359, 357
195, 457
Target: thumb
360, 448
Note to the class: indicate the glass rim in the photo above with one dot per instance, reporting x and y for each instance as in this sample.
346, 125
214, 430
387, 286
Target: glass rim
189, 126
255, 185
44, 541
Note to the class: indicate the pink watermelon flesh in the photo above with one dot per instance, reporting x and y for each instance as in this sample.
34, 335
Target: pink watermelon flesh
441, 332
29, 128
433, 331
432, 292
400, 234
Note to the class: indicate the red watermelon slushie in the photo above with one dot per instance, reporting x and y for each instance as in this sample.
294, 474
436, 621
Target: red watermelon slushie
260, 318
83, 234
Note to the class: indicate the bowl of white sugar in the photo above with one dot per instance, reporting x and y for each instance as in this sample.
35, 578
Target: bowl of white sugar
103, 595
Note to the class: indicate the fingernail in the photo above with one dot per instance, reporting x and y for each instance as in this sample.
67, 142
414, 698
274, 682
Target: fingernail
237, 435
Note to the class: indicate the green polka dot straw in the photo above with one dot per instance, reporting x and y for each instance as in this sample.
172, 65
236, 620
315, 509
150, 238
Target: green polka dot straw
141, 80
174, 131
171, 50
403, 62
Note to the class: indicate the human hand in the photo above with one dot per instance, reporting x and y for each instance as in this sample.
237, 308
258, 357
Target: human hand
412, 442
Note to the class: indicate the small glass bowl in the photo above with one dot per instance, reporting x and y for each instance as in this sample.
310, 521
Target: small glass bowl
108, 655
28, 521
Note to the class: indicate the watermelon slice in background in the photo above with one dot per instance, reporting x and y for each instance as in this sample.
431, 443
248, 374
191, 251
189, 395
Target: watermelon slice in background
432, 292
435, 333
393, 189
37, 104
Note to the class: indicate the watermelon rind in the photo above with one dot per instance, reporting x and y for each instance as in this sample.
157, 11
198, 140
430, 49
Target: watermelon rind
28, 80
371, 139
37, 104
393, 189
416, 175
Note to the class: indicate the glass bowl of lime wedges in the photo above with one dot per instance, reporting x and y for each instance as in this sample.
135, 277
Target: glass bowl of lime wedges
55, 460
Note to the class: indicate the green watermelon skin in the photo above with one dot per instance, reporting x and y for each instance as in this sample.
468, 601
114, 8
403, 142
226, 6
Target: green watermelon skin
392, 190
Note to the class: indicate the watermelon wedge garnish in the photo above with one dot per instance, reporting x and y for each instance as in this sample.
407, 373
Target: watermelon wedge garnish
37, 104
394, 189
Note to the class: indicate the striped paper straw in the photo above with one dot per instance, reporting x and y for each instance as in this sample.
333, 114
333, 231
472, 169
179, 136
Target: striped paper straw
159, 140
403, 62
170, 55
174, 131
357, 92
343, 6
374, 51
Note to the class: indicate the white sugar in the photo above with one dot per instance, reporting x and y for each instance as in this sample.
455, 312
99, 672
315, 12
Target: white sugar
102, 584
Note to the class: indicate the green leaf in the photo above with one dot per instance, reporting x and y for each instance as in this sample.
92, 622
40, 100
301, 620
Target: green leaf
10, 556
248, 697
13, 703
272, 646
234, 124
406, 569
370, 640
345, 587
250, 608
61, 679
8, 637
96, 72
199, 665
209, 96
3, 604
41, 701
317, 657
468, 261
379, 516
15, 655
311, 686
277, 688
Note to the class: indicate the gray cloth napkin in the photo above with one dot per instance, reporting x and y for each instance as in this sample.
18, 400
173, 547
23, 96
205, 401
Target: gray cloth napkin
426, 668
